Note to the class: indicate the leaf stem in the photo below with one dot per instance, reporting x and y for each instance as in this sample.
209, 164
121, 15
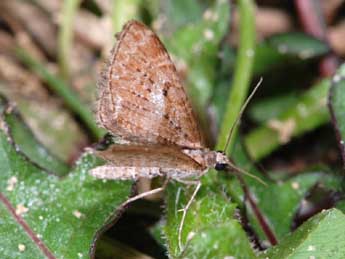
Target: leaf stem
122, 11
257, 212
242, 73
69, 97
65, 36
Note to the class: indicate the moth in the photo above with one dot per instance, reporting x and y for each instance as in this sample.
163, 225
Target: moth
142, 101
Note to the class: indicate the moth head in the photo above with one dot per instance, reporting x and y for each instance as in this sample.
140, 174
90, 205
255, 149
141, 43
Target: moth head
221, 161
105, 142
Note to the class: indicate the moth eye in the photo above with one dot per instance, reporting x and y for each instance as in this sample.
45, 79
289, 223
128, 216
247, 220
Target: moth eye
220, 166
105, 142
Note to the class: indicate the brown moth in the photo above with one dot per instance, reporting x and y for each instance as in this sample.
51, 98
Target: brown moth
142, 101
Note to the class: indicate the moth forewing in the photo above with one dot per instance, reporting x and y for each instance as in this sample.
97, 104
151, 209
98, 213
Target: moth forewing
141, 96
147, 161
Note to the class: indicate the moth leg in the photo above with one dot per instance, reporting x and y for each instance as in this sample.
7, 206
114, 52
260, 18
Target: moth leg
187, 182
144, 194
185, 210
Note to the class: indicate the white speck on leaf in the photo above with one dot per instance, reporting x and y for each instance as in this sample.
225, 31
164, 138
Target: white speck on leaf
307, 53
11, 183
285, 128
21, 247
336, 78
77, 214
208, 34
250, 53
190, 235
282, 49
303, 111
207, 14
311, 248
295, 185
21, 209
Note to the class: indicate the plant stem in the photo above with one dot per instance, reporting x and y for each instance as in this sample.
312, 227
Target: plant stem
257, 212
69, 97
65, 36
242, 73
122, 11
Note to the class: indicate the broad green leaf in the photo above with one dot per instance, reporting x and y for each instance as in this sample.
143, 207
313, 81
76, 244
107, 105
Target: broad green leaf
298, 44
309, 112
270, 108
337, 106
320, 237
27, 143
288, 47
280, 199
211, 214
225, 240
48, 120
63, 213
280, 210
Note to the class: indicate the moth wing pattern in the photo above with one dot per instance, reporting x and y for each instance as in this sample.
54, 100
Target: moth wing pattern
113, 172
141, 98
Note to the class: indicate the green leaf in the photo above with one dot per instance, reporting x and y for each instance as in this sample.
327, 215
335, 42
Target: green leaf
27, 143
320, 237
64, 213
309, 112
220, 241
196, 46
298, 44
287, 47
337, 106
48, 120
180, 12
288, 194
211, 214
270, 108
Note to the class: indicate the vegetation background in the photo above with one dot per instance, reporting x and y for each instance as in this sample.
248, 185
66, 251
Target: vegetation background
291, 135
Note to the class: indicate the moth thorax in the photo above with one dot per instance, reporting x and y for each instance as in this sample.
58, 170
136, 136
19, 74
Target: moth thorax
204, 157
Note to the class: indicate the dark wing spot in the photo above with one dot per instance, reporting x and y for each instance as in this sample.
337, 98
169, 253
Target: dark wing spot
165, 92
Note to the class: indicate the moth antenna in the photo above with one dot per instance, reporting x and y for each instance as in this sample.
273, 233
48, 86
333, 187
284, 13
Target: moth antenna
241, 171
239, 116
